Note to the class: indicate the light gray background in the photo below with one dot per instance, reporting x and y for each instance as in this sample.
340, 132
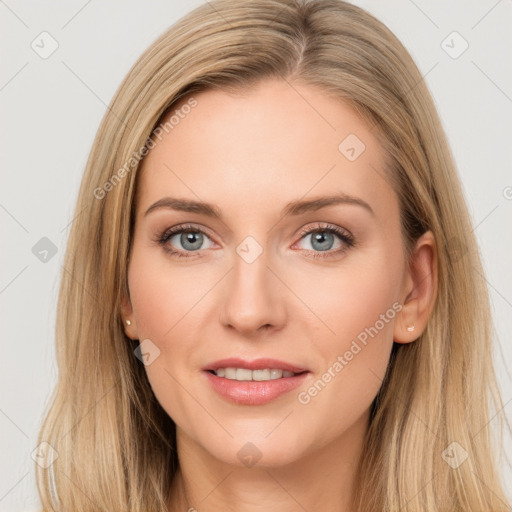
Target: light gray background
51, 109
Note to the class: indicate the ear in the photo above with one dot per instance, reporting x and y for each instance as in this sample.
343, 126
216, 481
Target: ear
419, 290
127, 314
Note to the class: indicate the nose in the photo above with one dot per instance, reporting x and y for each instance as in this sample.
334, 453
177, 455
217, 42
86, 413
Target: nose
254, 297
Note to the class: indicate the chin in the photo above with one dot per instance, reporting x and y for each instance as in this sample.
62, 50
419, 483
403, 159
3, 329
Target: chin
258, 451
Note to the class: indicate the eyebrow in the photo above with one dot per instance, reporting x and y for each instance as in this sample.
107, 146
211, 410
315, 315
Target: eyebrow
297, 207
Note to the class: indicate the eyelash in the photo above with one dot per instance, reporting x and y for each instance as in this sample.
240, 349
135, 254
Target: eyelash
343, 235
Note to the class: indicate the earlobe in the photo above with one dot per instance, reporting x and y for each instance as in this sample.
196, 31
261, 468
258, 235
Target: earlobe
129, 324
406, 326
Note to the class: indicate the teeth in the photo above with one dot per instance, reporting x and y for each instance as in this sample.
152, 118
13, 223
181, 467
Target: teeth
257, 375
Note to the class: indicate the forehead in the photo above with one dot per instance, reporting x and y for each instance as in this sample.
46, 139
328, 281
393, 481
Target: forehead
266, 146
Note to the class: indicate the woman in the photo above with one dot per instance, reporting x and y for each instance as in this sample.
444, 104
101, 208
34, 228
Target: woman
271, 299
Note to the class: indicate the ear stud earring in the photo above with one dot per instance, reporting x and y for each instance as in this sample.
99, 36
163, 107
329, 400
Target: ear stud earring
410, 328
128, 322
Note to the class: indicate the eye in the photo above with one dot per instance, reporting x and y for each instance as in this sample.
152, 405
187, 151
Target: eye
189, 237
322, 238
192, 239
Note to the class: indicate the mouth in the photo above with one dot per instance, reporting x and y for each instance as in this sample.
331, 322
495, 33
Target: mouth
255, 365
246, 375
253, 383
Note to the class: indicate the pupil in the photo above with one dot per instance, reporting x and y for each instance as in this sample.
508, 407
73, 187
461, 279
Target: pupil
188, 238
319, 237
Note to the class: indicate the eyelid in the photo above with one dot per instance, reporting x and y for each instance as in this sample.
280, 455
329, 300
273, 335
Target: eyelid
186, 227
325, 226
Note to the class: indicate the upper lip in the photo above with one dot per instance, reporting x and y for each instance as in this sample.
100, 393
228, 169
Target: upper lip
255, 364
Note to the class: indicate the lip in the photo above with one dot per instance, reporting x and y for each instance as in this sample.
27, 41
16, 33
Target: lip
253, 392
256, 364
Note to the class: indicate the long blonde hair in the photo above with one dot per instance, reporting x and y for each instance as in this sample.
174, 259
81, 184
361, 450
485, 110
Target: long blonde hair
116, 446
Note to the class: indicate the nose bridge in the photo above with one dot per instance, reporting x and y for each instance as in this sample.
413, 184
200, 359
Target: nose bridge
253, 299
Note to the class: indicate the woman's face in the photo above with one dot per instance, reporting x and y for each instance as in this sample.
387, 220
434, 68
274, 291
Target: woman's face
265, 277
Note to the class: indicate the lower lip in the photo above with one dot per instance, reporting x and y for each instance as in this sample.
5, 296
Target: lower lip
254, 392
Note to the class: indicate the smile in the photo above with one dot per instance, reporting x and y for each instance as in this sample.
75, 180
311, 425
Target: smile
244, 374
253, 392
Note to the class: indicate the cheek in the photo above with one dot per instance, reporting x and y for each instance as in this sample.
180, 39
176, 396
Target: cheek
167, 302
158, 308
344, 301
162, 294
359, 306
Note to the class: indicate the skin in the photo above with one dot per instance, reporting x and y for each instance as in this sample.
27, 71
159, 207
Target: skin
251, 154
